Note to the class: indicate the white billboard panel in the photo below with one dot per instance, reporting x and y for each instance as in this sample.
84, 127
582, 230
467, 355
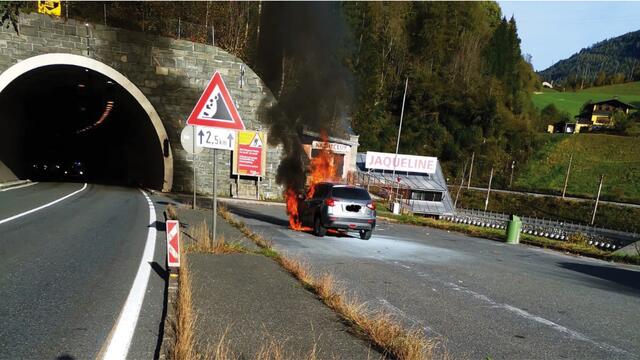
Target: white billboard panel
401, 162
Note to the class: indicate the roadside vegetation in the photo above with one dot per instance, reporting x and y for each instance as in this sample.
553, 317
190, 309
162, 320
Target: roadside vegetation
574, 245
593, 154
578, 212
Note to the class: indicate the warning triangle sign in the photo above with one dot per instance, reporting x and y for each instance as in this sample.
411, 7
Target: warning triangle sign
256, 142
215, 107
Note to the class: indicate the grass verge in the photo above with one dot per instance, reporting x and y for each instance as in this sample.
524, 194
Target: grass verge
576, 248
380, 328
184, 346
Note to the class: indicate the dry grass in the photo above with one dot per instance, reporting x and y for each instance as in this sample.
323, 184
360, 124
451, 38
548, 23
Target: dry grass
184, 347
202, 242
172, 213
380, 327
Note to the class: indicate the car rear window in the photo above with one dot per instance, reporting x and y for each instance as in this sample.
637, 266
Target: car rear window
351, 193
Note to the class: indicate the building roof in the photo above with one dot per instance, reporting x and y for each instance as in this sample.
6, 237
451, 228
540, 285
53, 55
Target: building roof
415, 181
615, 102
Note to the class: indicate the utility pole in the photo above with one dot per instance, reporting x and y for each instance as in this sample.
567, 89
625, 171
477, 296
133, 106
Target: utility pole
566, 178
473, 155
486, 202
595, 208
404, 98
513, 165
464, 170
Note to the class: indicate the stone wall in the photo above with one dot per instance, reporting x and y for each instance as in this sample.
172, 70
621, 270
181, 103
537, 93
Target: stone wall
171, 73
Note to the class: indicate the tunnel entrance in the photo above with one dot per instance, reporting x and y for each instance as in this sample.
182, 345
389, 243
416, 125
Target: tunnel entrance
68, 122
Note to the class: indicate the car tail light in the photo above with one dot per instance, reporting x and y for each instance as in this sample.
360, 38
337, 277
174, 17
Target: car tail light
330, 202
371, 205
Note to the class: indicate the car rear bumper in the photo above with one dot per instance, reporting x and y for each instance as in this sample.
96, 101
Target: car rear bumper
344, 223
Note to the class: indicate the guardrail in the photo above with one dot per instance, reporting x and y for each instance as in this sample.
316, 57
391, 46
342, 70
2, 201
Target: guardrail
605, 239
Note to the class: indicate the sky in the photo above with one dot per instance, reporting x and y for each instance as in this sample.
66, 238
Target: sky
553, 31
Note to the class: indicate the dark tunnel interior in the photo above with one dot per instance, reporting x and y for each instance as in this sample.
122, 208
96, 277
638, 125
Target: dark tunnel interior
68, 123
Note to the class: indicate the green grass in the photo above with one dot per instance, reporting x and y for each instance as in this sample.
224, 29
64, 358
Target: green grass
617, 157
608, 216
571, 102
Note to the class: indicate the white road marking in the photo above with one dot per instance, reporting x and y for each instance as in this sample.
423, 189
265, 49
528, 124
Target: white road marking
43, 206
19, 186
524, 314
122, 334
413, 320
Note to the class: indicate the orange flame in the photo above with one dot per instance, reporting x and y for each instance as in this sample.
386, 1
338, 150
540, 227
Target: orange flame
321, 169
292, 209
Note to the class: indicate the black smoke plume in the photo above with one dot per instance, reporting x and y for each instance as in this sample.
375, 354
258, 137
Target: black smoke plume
300, 52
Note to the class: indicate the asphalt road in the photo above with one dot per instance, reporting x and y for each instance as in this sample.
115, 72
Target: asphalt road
66, 271
481, 298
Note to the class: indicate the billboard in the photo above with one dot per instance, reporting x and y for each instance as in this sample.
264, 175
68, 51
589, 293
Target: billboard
401, 162
250, 153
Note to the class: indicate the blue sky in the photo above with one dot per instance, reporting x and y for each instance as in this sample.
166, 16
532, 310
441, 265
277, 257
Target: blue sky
552, 31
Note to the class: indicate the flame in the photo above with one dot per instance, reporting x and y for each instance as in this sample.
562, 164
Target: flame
321, 169
292, 209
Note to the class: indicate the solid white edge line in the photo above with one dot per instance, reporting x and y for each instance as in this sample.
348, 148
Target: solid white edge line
125, 326
43, 206
18, 187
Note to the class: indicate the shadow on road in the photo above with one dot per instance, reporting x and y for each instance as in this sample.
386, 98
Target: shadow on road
250, 214
616, 279
255, 215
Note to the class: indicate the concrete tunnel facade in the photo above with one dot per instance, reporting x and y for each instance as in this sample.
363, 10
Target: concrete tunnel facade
158, 82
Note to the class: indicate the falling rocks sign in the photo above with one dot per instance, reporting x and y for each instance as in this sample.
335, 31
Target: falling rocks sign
250, 155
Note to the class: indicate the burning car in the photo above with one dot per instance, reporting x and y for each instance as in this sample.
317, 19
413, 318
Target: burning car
337, 207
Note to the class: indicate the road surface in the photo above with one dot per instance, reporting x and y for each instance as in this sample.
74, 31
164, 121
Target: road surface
69, 256
481, 298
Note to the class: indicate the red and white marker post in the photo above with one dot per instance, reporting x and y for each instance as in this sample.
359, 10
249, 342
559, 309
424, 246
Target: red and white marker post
173, 245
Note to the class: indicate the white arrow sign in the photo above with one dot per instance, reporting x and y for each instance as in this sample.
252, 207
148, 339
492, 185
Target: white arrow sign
215, 138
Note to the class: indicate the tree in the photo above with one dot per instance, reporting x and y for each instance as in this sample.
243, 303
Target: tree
10, 14
621, 122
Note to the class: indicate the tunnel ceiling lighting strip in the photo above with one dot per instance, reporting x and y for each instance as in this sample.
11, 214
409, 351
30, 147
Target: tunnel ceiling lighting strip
103, 117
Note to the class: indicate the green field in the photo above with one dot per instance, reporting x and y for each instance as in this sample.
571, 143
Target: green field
571, 102
617, 157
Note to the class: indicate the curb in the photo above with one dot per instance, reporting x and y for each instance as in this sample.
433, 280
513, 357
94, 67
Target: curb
10, 184
249, 201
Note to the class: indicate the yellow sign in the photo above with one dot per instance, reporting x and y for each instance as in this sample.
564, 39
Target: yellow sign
250, 153
49, 7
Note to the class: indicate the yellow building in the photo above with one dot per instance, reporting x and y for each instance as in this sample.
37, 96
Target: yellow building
602, 112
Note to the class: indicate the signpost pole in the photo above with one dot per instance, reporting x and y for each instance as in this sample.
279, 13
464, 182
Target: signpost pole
215, 197
195, 185
404, 98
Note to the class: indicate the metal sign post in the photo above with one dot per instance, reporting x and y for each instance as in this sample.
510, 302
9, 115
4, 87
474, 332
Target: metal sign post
215, 196
195, 184
188, 141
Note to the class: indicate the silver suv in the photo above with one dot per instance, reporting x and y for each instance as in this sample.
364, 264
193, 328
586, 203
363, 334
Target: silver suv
339, 207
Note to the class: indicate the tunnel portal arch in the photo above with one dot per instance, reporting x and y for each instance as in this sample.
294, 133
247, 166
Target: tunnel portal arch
64, 59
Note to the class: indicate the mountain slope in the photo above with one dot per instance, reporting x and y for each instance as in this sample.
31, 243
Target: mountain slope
610, 61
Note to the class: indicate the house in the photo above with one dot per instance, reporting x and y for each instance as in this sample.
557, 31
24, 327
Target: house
547, 85
600, 113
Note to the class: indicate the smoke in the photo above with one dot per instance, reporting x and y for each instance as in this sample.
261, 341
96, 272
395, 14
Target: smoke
300, 55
